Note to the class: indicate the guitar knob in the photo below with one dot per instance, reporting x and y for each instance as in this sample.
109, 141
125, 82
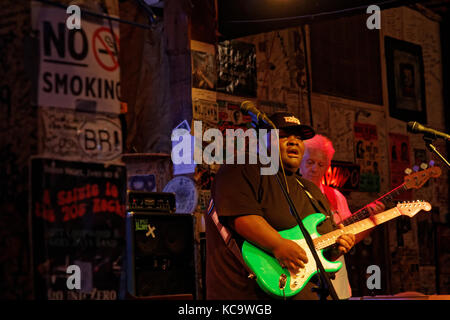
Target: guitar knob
408, 171
423, 166
416, 168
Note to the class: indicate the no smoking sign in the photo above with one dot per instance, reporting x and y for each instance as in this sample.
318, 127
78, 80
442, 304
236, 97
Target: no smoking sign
104, 49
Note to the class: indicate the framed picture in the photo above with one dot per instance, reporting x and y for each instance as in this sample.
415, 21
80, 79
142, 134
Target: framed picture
406, 84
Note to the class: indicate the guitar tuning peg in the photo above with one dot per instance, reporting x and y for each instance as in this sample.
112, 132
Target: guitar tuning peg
416, 168
431, 163
408, 171
423, 166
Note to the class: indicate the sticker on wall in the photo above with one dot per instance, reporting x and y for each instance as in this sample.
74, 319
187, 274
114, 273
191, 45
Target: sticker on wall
203, 200
80, 136
231, 116
142, 182
205, 110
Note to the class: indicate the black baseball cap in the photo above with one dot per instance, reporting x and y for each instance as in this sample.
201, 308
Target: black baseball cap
288, 121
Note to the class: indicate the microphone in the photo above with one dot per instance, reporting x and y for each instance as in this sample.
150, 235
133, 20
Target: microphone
416, 127
249, 108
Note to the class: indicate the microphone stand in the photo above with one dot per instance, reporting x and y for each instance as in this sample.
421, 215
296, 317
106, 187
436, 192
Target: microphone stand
326, 285
428, 143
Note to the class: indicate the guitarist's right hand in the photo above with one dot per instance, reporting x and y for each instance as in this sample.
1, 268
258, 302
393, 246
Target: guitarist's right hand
257, 230
290, 255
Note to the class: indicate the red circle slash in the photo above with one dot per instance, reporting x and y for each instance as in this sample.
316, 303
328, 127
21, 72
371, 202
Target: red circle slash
113, 62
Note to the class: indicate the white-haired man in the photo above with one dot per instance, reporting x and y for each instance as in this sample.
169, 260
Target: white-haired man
317, 159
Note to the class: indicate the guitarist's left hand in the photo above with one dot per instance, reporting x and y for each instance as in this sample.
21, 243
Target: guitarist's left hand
345, 242
375, 207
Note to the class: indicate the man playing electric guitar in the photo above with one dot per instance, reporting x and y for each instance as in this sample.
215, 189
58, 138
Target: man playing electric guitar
251, 206
317, 159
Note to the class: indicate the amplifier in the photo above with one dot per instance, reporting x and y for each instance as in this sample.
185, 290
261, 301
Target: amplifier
151, 201
161, 254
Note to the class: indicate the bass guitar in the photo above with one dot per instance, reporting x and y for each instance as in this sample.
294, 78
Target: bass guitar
280, 282
411, 181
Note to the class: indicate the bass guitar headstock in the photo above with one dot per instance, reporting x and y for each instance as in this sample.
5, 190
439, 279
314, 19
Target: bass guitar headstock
417, 179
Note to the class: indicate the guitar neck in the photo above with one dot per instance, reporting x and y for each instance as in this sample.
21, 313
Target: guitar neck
364, 212
330, 238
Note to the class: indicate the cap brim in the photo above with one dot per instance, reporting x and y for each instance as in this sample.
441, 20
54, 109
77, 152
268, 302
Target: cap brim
304, 131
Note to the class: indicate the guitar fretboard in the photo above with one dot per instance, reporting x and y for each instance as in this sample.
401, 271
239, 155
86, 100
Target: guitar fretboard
385, 199
330, 238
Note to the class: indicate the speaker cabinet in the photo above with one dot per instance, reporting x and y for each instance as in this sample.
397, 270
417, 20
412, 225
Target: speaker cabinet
161, 254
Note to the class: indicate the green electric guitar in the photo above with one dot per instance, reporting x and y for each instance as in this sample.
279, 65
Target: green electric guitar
279, 282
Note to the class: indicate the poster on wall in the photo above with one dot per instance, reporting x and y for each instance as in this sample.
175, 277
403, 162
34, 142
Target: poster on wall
78, 68
77, 220
406, 80
203, 66
281, 68
399, 161
340, 126
237, 68
367, 156
204, 75
231, 116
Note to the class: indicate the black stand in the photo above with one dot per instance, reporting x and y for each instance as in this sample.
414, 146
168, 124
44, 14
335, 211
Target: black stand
428, 143
326, 285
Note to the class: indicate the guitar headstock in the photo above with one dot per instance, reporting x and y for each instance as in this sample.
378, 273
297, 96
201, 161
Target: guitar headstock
410, 209
419, 178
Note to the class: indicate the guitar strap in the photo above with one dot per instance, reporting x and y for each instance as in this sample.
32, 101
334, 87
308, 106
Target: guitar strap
226, 236
315, 203
331, 196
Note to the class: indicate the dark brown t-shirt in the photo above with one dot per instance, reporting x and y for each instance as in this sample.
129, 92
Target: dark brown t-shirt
241, 190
